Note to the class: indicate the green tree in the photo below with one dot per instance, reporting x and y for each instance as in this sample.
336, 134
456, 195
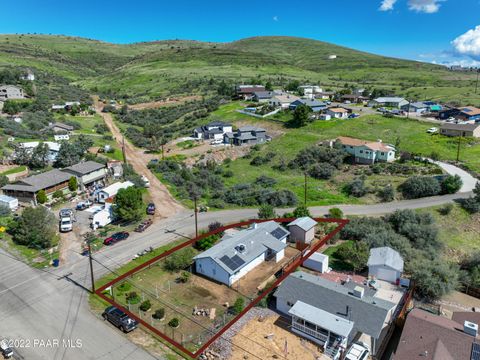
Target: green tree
129, 204
301, 115
179, 260
451, 184
42, 197
35, 228
301, 211
174, 323
146, 305
266, 211
238, 306
269, 86
40, 156
68, 155
72, 184
3, 180
435, 278
159, 314
356, 188
356, 255
420, 186
387, 193
335, 213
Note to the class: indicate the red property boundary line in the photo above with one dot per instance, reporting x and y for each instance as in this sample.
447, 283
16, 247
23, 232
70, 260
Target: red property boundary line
298, 262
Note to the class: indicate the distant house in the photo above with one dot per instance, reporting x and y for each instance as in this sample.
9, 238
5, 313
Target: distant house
283, 100
302, 230
364, 152
66, 106
332, 314
354, 98
416, 107
112, 190
468, 113
338, 113
313, 104
309, 91
246, 92
212, 131
61, 128
263, 96
238, 254
448, 113
392, 101
325, 95
385, 264
61, 137
27, 189
433, 106
429, 336
53, 148
246, 135
28, 76
465, 130
11, 92
87, 173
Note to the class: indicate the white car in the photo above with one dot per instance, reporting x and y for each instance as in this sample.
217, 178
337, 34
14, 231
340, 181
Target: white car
66, 224
432, 130
358, 351
146, 181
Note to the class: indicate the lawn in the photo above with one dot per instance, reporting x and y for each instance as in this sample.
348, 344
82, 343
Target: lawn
14, 170
334, 261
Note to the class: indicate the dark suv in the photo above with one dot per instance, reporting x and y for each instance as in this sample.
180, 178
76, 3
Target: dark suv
151, 209
118, 318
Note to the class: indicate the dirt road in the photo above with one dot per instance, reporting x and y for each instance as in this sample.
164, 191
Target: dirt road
166, 102
166, 204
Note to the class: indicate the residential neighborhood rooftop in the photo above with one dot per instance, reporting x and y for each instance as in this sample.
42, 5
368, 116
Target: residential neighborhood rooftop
305, 223
386, 256
38, 182
85, 167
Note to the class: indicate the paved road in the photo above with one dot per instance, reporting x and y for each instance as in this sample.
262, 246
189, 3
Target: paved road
468, 180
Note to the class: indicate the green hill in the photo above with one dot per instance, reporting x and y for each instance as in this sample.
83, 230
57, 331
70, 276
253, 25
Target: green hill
150, 70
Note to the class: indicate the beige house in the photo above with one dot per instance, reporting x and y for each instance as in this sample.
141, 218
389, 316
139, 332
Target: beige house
302, 231
466, 130
283, 100
10, 92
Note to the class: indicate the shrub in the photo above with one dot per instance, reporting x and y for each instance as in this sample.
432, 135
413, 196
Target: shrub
451, 184
179, 260
124, 287
159, 314
266, 211
42, 197
335, 213
58, 194
174, 323
445, 210
322, 171
72, 184
184, 277
238, 306
301, 211
356, 188
420, 186
133, 298
146, 305
387, 194
435, 278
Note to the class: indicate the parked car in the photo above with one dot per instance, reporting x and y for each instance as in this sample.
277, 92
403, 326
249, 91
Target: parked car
216, 142
146, 181
66, 224
114, 238
118, 318
82, 205
382, 110
144, 225
353, 116
358, 351
151, 209
432, 130
5, 349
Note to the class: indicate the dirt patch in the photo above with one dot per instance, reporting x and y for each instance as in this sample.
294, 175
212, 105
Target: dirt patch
162, 103
274, 130
148, 342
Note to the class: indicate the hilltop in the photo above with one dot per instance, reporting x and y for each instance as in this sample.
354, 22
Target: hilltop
150, 70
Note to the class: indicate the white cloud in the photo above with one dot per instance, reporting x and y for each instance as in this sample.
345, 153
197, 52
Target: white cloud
387, 5
425, 6
275, 18
468, 43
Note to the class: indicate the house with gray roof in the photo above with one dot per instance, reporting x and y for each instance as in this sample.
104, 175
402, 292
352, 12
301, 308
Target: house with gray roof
26, 190
246, 135
212, 131
88, 173
263, 96
348, 311
385, 264
416, 107
11, 92
389, 101
239, 253
313, 104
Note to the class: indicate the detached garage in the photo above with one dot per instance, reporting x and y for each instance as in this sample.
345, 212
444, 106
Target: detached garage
385, 264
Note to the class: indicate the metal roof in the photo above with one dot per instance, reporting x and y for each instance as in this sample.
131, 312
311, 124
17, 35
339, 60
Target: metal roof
369, 313
38, 182
86, 167
235, 251
460, 127
389, 99
324, 319
386, 256
305, 223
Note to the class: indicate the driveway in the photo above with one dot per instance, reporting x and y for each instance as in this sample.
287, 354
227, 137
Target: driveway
469, 181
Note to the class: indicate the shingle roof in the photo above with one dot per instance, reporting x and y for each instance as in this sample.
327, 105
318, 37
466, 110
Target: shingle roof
38, 182
86, 167
461, 127
470, 110
437, 336
389, 99
264, 94
62, 126
255, 241
385, 256
369, 313
373, 145
342, 110
305, 223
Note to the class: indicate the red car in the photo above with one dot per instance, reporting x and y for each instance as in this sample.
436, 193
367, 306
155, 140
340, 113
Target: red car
119, 236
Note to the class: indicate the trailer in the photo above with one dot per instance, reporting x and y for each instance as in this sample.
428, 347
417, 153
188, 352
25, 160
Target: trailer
8, 201
103, 217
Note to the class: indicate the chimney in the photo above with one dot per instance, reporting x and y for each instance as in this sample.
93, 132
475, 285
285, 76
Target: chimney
470, 328
358, 292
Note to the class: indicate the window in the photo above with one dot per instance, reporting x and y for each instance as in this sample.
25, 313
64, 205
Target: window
361, 151
382, 153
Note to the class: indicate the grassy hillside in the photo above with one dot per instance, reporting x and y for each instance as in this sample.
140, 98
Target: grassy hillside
143, 71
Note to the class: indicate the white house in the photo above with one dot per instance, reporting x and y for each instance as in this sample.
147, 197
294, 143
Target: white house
309, 91
338, 113
103, 217
112, 190
87, 173
61, 137
11, 92
28, 76
365, 152
9, 202
385, 264
389, 101
302, 230
212, 131
53, 148
283, 100
239, 253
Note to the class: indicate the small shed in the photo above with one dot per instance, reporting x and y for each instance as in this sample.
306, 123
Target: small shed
8, 201
318, 262
302, 230
385, 264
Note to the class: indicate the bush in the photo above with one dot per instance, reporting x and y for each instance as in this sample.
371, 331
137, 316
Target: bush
387, 194
184, 277
445, 210
58, 194
238, 306
301, 211
179, 260
435, 279
174, 323
322, 171
146, 305
124, 287
356, 188
451, 184
42, 197
266, 212
335, 213
73, 184
133, 298
159, 314
420, 186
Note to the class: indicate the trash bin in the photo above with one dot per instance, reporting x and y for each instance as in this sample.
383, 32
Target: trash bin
56, 262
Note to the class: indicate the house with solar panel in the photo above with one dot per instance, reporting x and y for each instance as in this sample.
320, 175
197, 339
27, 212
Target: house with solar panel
239, 253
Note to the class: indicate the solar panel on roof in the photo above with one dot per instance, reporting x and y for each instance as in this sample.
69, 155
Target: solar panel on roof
475, 351
278, 233
238, 261
232, 263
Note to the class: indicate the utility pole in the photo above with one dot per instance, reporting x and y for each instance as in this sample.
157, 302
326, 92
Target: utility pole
458, 148
123, 150
476, 83
89, 240
305, 190
196, 217
163, 151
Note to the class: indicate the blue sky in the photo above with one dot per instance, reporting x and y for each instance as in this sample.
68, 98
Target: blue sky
415, 29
